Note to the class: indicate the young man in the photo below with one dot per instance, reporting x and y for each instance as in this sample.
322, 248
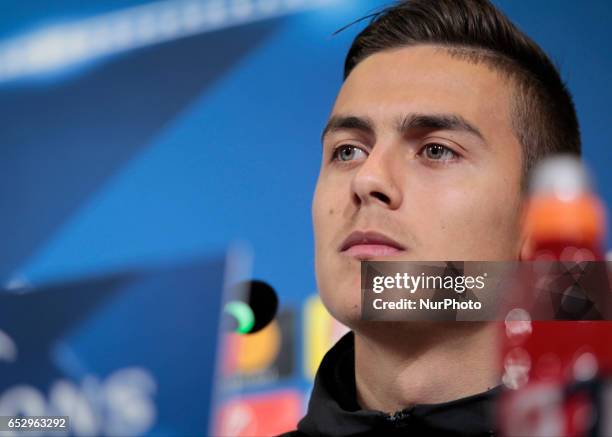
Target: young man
444, 109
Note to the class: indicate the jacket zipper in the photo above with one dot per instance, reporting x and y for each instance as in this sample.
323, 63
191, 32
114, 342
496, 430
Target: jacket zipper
397, 416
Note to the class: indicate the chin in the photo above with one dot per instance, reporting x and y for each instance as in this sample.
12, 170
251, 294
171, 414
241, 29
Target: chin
339, 285
343, 306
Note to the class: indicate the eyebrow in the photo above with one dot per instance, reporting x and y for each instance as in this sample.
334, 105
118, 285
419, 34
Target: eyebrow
452, 122
350, 122
410, 122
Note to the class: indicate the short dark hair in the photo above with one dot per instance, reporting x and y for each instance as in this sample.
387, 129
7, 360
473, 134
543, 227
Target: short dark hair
543, 115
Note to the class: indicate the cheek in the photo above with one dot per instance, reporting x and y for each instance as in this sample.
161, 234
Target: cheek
327, 200
324, 214
478, 220
318, 219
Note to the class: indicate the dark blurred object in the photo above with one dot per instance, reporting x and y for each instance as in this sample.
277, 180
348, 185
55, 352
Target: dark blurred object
251, 307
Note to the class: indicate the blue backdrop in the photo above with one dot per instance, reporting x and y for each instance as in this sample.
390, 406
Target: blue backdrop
176, 148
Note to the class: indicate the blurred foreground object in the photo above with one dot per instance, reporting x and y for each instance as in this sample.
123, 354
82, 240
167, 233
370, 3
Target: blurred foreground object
564, 220
251, 307
558, 374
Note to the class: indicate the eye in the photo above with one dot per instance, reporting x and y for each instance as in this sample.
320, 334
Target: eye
438, 152
347, 152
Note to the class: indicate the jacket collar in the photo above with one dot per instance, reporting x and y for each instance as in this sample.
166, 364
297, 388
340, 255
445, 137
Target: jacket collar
333, 409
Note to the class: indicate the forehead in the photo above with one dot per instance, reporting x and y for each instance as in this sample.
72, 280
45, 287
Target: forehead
426, 79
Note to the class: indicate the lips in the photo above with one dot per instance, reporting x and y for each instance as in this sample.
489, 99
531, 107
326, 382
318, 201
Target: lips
369, 244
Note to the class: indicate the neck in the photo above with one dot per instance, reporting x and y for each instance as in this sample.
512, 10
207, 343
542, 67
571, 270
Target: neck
423, 363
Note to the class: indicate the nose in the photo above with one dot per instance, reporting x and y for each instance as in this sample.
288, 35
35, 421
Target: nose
377, 180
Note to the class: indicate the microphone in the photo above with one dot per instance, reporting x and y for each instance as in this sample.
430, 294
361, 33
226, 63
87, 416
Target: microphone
251, 307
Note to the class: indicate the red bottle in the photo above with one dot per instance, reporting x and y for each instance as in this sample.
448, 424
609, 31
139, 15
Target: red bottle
558, 373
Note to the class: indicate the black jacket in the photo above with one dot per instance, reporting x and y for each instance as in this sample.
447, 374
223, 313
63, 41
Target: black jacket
333, 409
